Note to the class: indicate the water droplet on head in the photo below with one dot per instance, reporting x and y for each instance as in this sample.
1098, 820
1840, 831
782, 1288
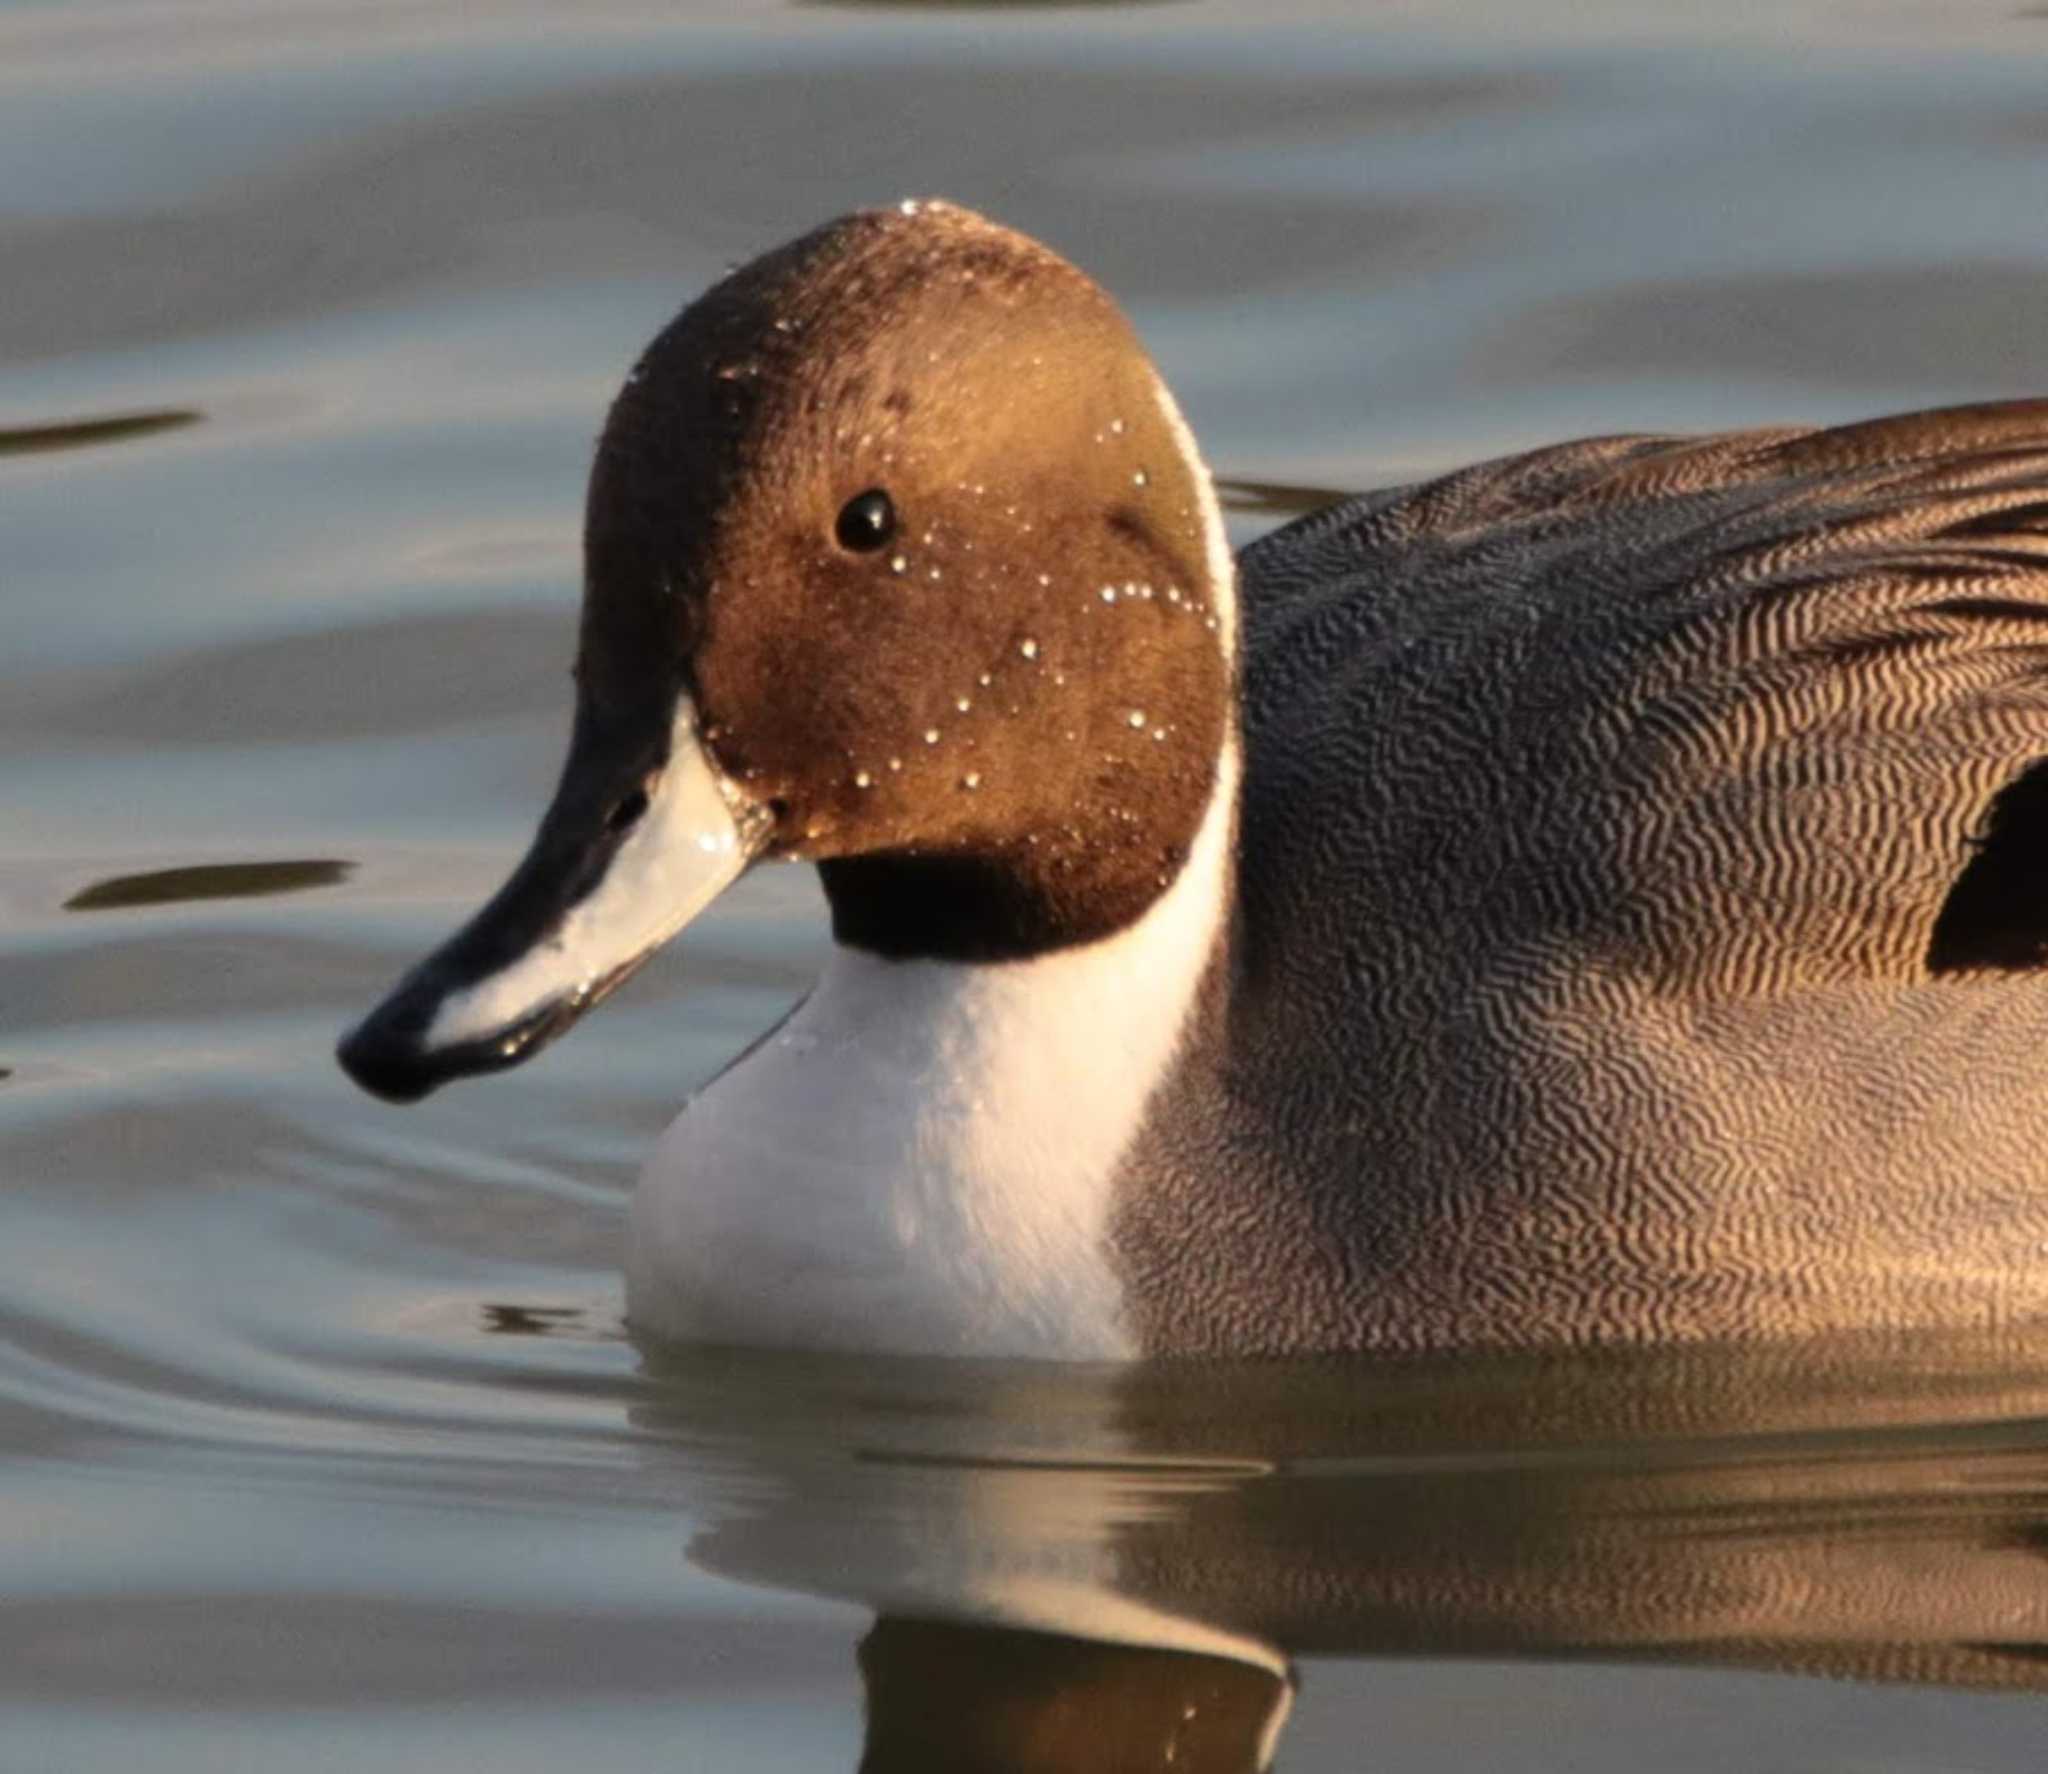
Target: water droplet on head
1109, 594
931, 736
1028, 648
972, 780
985, 680
962, 704
1138, 479
1117, 425
1136, 717
898, 564
908, 206
861, 779
895, 763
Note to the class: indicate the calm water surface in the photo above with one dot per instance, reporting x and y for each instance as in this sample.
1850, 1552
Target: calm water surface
320, 1443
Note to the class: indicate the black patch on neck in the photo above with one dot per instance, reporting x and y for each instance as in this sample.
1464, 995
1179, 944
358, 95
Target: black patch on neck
981, 907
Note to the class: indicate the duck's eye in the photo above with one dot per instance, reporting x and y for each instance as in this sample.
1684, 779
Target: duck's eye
866, 521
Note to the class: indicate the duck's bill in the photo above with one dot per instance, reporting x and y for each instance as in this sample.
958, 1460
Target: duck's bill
639, 840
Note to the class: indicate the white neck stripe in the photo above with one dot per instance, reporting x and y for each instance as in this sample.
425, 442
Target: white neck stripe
1222, 565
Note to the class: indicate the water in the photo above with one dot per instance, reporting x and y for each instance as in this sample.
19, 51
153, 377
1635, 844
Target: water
320, 1437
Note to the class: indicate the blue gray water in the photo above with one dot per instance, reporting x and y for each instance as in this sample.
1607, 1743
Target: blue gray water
319, 1438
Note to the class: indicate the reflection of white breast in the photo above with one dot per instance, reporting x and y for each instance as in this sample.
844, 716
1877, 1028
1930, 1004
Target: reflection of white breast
921, 1159
983, 1494
1032, 1548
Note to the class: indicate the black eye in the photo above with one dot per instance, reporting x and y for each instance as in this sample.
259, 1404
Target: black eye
866, 521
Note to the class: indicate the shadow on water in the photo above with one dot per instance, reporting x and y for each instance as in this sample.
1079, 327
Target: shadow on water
503, 1318
80, 434
221, 880
1106, 1569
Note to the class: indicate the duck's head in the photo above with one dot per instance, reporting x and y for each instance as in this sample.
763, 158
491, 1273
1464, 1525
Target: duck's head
898, 559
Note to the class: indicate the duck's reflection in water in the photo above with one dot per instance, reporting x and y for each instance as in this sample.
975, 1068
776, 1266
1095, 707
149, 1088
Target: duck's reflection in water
1113, 1569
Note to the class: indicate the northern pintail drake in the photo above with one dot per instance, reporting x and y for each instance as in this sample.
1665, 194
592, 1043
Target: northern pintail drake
1601, 894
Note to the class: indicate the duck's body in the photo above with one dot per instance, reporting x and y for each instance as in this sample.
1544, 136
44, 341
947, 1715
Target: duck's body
1539, 906
1603, 969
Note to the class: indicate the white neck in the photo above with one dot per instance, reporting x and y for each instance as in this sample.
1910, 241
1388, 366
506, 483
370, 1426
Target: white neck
922, 1159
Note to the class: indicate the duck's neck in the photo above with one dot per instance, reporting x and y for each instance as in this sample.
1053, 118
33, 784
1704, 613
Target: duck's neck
925, 1157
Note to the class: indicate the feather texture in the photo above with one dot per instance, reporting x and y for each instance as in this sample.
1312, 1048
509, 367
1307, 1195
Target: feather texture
1602, 806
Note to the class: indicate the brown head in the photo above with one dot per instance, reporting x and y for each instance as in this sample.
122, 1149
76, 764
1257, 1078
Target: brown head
898, 560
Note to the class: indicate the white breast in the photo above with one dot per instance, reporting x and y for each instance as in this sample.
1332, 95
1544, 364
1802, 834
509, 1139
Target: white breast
921, 1160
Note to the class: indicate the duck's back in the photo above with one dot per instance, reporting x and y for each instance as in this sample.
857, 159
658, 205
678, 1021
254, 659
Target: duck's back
1618, 954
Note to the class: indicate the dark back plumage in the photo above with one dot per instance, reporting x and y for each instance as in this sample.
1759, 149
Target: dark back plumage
1617, 953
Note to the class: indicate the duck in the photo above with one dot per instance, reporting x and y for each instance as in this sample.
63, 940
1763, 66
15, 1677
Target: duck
1595, 896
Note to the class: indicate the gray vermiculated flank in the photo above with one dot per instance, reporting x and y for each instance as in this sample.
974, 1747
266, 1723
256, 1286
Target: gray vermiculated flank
1600, 806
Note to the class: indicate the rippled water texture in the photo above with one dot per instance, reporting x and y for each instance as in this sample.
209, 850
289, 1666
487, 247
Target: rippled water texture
320, 1445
